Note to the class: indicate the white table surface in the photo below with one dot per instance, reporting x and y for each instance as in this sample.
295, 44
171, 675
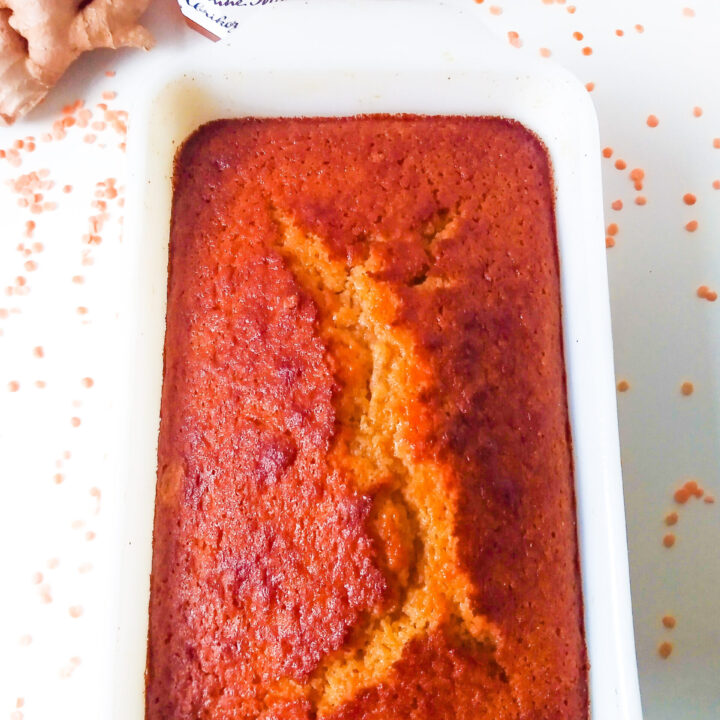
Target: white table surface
56, 513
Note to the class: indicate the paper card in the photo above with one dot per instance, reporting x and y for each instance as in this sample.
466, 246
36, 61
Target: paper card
218, 19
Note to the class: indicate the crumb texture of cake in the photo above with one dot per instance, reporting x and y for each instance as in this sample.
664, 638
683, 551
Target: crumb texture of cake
365, 503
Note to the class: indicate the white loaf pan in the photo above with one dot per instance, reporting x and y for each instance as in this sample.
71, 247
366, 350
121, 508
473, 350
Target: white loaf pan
332, 58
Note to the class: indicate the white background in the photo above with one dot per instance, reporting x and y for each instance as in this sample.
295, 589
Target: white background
664, 335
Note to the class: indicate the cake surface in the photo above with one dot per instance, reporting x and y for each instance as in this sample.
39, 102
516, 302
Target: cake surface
365, 503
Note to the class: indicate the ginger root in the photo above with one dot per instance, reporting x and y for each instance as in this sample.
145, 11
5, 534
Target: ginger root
39, 39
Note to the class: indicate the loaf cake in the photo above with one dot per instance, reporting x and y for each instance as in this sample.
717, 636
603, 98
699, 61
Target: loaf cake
365, 503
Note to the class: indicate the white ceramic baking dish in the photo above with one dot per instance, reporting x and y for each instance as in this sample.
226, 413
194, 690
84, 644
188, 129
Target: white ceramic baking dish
330, 58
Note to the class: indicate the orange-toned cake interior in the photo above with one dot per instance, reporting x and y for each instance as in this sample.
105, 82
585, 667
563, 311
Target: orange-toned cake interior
365, 499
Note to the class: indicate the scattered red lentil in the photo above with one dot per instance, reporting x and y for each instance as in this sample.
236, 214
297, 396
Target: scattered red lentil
640, 28
716, 143
578, 35
45, 595
607, 152
669, 540
495, 10
40, 384
692, 226
75, 421
609, 242
664, 650
671, 518
545, 52
571, 9
590, 86
620, 164
694, 489
669, 622
716, 184
690, 489
688, 12
697, 111
38, 352
689, 199
88, 382
619, 32
617, 205
13, 157
514, 39
612, 229
682, 495
652, 121
58, 478
75, 611
13, 386
623, 386
687, 388
111, 73
705, 293
709, 499
587, 51
641, 200
109, 95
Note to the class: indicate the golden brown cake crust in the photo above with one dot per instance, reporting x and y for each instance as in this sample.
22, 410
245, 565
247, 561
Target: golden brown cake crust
365, 501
